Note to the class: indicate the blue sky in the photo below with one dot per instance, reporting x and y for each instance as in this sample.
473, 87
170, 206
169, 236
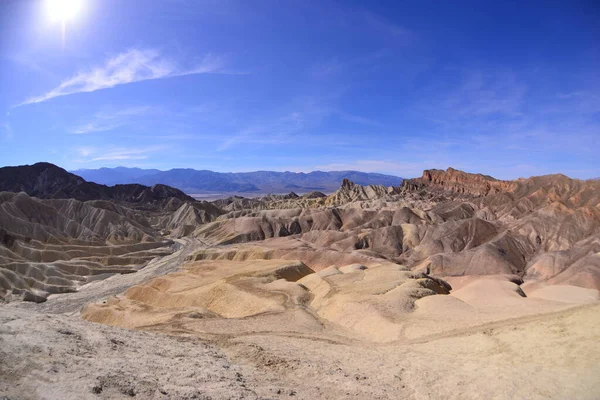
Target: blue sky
509, 89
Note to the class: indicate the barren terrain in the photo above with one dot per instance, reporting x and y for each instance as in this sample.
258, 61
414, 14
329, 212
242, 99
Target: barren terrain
451, 286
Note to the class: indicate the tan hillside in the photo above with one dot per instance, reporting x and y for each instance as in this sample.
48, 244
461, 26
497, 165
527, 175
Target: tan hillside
54, 246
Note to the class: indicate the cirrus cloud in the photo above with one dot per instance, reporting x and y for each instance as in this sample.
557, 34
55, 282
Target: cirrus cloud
93, 154
131, 66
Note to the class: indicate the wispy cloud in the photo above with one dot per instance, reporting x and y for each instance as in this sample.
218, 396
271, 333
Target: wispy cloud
7, 131
132, 66
282, 127
476, 103
357, 119
272, 134
92, 154
385, 26
502, 117
582, 103
95, 127
327, 68
27, 60
297, 125
482, 95
107, 121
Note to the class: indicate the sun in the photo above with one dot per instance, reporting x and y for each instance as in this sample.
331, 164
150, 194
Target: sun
63, 10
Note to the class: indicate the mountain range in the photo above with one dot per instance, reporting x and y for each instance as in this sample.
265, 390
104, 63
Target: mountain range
258, 182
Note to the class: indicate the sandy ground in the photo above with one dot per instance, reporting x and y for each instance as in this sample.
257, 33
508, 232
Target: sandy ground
63, 357
554, 356
485, 340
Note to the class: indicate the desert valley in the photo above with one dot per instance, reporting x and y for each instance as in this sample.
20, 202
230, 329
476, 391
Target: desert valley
290, 199
452, 285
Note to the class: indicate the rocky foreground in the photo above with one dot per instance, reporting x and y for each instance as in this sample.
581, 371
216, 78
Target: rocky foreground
452, 285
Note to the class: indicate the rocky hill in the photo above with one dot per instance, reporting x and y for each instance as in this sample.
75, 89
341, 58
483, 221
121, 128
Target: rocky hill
47, 181
58, 231
55, 245
457, 181
451, 223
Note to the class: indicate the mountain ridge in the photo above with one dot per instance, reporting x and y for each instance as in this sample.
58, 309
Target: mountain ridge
206, 181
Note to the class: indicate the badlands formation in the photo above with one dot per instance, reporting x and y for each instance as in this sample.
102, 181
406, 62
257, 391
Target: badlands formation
449, 286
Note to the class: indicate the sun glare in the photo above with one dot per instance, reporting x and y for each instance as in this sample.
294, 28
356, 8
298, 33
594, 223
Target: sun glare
63, 10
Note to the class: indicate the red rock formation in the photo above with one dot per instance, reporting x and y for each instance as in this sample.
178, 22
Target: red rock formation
458, 182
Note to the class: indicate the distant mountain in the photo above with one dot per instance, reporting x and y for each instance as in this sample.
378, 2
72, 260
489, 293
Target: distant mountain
47, 181
115, 176
204, 181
